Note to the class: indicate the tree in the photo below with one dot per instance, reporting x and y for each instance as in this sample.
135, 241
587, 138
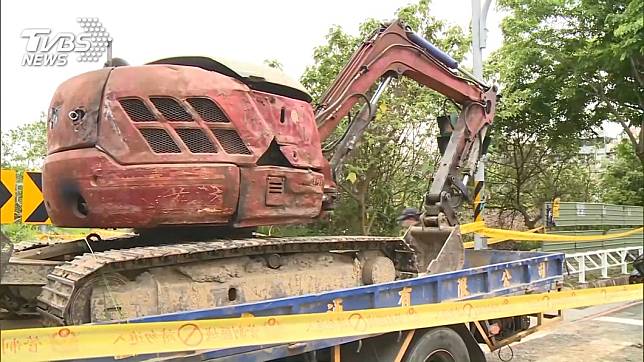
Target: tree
568, 65
25, 147
623, 181
526, 171
391, 167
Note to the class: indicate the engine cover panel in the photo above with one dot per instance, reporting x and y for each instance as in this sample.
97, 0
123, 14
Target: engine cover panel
278, 195
85, 188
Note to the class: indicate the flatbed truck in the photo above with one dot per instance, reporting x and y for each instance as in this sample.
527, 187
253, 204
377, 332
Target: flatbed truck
487, 273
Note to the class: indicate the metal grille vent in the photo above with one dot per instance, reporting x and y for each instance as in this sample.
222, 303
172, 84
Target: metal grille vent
159, 140
230, 141
208, 110
171, 109
275, 185
137, 110
196, 140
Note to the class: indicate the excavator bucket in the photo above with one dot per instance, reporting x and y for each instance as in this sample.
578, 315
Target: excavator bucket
436, 250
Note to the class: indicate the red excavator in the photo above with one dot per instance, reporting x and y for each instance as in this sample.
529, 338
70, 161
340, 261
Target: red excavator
193, 153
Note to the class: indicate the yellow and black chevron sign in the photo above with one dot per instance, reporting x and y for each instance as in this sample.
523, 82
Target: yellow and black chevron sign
8, 196
479, 204
33, 203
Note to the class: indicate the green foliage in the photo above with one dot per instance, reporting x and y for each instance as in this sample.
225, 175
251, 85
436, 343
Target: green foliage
391, 167
329, 60
568, 65
23, 148
526, 171
20, 232
565, 66
623, 181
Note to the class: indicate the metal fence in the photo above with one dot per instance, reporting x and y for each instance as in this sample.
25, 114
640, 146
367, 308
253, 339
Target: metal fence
610, 218
581, 263
593, 214
635, 240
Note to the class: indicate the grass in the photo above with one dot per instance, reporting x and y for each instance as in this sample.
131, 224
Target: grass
18, 233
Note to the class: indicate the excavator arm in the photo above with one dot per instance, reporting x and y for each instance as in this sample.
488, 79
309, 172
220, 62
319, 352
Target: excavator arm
395, 50
390, 51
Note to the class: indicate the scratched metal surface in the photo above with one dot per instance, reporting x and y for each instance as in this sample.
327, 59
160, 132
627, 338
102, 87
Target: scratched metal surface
215, 143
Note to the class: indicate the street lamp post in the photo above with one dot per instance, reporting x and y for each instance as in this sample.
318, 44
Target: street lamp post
479, 40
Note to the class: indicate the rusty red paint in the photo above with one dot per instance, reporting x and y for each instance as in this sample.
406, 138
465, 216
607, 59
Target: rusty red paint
260, 204
71, 95
151, 165
124, 183
139, 195
390, 51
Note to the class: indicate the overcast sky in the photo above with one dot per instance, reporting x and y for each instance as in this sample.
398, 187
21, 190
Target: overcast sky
148, 30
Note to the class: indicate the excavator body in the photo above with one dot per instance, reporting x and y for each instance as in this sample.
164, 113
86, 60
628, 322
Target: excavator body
196, 141
175, 145
193, 153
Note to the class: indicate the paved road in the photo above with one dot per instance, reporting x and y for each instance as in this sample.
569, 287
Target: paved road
602, 333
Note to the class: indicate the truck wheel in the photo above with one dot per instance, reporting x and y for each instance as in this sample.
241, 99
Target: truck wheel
438, 345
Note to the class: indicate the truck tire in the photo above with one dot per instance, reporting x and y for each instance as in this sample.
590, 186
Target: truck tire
438, 345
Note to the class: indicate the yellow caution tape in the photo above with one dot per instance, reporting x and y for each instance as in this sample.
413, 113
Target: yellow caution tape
500, 240
73, 342
525, 236
472, 227
502, 235
470, 244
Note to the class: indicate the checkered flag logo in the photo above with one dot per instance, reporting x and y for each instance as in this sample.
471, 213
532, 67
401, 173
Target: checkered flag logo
98, 36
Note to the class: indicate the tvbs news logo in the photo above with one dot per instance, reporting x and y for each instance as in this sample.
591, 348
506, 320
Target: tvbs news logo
46, 48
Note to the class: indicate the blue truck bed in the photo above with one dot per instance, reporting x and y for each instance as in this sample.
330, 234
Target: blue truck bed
486, 273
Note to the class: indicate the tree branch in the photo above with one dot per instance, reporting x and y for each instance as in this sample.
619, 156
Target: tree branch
636, 73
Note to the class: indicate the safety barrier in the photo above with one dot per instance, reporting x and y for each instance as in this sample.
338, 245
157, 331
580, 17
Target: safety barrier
33, 203
574, 214
500, 234
581, 218
7, 196
580, 263
614, 243
87, 341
